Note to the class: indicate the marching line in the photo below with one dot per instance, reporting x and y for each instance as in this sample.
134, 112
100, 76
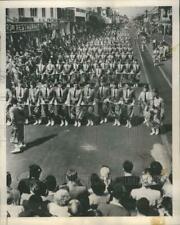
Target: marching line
162, 71
164, 138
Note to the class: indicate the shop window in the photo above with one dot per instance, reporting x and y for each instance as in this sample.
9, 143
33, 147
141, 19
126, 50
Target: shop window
43, 12
33, 12
52, 12
21, 12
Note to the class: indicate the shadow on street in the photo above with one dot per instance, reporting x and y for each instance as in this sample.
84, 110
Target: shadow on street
39, 141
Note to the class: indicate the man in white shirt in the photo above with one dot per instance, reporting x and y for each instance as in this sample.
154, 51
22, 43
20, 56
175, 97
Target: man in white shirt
153, 196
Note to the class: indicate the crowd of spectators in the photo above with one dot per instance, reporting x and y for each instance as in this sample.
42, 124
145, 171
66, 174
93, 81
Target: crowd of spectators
149, 194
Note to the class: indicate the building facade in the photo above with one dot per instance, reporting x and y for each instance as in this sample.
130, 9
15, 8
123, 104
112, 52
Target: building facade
31, 14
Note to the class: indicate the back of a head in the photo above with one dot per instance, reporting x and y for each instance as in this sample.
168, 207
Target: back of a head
74, 207
94, 178
23, 186
98, 187
128, 166
104, 172
62, 197
155, 168
71, 175
51, 183
34, 171
143, 206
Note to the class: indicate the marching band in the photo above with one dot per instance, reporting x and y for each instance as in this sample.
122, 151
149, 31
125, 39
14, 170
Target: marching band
96, 78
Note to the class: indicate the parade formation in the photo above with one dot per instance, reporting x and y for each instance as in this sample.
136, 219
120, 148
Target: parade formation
89, 111
92, 81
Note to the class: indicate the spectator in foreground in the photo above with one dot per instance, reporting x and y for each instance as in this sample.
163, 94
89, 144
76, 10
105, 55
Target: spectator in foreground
25, 185
144, 209
153, 196
167, 187
129, 180
39, 188
166, 207
12, 192
98, 194
59, 207
34, 207
51, 184
105, 175
156, 172
74, 208
76, 189
115, 207
13, 209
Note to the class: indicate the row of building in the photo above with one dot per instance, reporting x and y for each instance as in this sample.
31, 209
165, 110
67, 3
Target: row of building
35, 25
158, 19
31, 19
23, 19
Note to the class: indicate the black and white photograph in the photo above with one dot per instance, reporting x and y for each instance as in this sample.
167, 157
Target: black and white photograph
89, 111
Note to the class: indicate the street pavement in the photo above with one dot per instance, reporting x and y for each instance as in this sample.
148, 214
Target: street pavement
159, 37
166, 66
57, 148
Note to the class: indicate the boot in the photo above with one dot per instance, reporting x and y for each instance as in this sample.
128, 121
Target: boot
89, 123
66, 123
52, 122
115, 122
102, 121
48, 124
62, 123
35, 123
40, 121
157, 131
16, 149
78, 124
152, 131
118, 123
26, 121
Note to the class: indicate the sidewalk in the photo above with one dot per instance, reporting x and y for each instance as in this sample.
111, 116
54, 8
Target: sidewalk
165, 65
159, 37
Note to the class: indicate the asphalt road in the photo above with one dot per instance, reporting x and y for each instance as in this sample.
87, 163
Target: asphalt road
159, 77
57, 148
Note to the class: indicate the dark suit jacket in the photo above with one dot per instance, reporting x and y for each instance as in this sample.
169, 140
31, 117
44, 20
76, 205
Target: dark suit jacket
130, 182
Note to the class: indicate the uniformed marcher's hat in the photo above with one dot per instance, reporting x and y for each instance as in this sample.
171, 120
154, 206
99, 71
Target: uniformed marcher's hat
74, 81
55, 83
126, 84
146, 86
60, 81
